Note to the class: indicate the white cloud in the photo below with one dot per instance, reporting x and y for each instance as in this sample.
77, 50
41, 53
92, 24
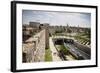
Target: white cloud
61, 18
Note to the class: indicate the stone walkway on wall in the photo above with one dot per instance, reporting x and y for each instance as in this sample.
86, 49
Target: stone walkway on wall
55, 56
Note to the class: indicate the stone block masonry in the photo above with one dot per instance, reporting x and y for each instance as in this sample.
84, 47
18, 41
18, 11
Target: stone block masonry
34, 48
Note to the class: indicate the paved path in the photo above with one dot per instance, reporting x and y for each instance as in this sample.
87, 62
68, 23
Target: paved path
70, 57
55, 56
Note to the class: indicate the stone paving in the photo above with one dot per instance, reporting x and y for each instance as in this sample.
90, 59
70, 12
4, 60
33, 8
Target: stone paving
55, 56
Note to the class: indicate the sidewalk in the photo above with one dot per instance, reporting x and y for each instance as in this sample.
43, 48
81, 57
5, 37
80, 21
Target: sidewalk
55, 56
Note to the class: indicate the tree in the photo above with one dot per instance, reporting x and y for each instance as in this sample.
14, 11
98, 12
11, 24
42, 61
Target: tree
69, 30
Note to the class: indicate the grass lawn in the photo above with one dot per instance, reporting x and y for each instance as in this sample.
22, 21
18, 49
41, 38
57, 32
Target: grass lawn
48, 56
64, 49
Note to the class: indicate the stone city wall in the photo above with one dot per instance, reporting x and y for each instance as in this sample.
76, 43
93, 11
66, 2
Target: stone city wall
36, 52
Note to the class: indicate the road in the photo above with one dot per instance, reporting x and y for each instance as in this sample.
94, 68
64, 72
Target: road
75, 50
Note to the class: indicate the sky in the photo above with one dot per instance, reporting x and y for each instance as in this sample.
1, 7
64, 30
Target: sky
57, 18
